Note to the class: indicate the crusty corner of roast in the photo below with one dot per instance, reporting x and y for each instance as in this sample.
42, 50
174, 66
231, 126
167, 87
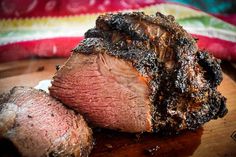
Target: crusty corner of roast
211, 67
39, 125
213, 108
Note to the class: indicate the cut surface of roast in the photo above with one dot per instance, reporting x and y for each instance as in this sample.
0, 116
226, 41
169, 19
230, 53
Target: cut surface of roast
109, 91
137, 73
38, 125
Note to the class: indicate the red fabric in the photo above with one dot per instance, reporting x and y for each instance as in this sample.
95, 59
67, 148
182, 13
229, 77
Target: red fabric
219, 48
57, 47
231, 18
61, 47
39, 8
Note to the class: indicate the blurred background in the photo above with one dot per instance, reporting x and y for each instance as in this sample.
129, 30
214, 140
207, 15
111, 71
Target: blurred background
52, 28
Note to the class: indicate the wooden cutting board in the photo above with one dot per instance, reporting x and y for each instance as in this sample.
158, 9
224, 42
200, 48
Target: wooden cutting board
215, 139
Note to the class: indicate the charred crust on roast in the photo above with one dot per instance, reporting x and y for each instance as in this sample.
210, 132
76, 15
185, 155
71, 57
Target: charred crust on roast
183, 79
90, 45
211, 66
212, 109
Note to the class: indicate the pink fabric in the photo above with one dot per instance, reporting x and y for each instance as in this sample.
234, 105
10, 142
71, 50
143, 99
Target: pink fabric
227, 18
56, 47
61, 47
39, 8
219, 48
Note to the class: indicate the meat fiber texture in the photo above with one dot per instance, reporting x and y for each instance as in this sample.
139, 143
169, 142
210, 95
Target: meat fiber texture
38, 125
140, 73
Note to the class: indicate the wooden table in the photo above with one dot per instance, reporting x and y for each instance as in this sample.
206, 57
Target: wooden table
212, 140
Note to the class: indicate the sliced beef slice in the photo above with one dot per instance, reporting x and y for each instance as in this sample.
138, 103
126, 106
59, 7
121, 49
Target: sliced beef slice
135, 73
38, 125
109, 92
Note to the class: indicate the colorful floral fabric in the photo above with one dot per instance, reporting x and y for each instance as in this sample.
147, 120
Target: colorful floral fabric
52, 28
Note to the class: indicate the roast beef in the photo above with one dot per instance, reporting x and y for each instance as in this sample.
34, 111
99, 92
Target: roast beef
38, 125
136, 73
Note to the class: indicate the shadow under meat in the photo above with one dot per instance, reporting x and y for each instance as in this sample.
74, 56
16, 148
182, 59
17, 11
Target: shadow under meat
115, 144
110, 143
7, 148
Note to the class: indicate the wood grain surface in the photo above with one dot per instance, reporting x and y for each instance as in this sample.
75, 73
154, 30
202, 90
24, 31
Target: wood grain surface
214, 139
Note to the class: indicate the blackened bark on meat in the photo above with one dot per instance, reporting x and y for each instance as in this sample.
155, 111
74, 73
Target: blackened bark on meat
211, 66
183, 79
91, 45
214, 108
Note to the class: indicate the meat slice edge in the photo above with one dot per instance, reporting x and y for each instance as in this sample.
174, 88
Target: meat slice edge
38, 125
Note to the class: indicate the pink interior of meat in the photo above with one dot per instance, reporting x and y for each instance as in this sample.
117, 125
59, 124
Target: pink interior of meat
42, 116
107, 90
41, 124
